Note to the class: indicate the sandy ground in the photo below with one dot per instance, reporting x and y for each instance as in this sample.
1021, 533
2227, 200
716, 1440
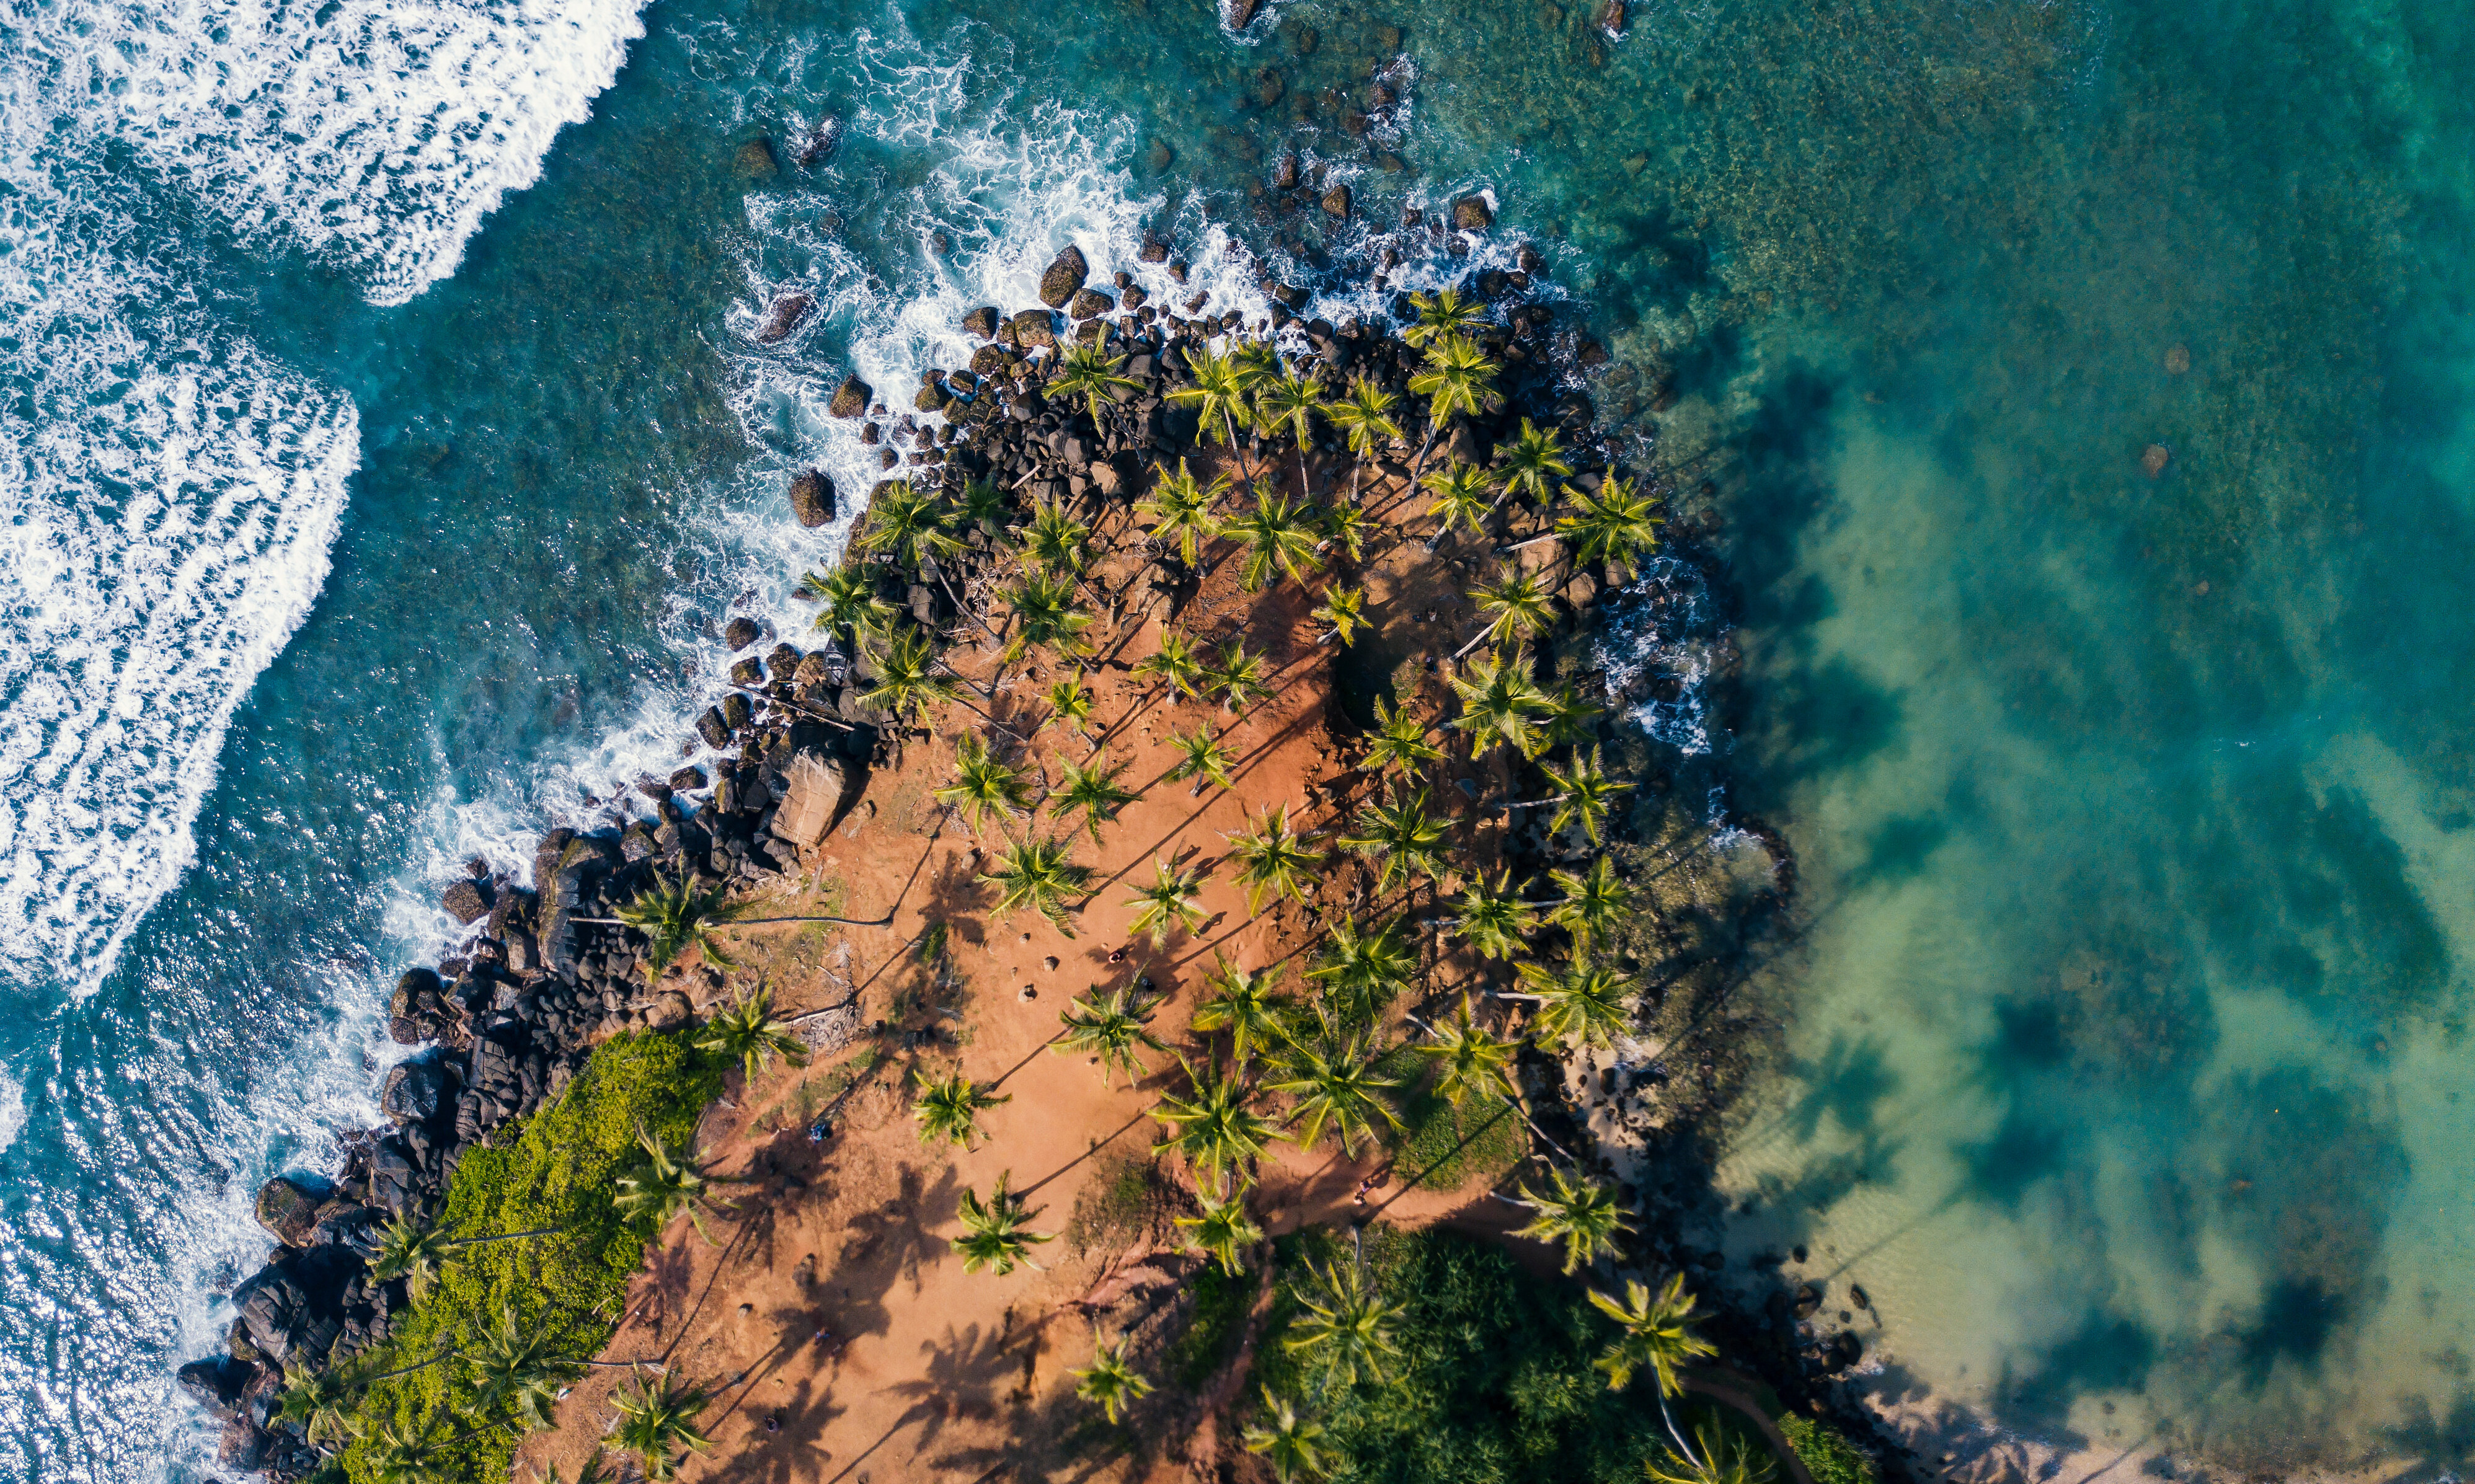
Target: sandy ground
843, 1338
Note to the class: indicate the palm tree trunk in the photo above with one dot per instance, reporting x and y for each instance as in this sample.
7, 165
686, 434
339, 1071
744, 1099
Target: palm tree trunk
1531, 541
1477, 640
952, 597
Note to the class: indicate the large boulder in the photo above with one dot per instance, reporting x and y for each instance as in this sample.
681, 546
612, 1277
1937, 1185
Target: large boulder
850, 399
216, 1383
562, 888
467, 901
412, 1090
1089, 303
1472, 213
812, 498
816, 785
671, 1011
982, 322
1033, 328
783, 316
1063, 275
287, 1206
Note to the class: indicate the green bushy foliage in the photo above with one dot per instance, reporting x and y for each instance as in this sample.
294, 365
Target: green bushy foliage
1827, 1454
559, 1172
1444, 1147
1221, 1300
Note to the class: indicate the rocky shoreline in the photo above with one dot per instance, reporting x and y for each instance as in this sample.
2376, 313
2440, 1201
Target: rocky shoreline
509, 1017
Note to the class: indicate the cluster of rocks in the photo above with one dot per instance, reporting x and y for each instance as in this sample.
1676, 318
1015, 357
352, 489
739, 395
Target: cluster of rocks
508, 1019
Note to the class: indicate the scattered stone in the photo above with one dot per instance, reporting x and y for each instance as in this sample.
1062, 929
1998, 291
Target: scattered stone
1269, 86
1241, 13
1062, 277
816, 785
287, 1206
850, 399
821, 141
932, 398
1609, 16
1155, 250
982, 322
750, 672
1472, 213
1158, 157
740, 632
784, 317
411, 1091
465, 903
1034, 328
754, 160
671, 1011
1284, 175
1088, 305
1335, 203
812, 498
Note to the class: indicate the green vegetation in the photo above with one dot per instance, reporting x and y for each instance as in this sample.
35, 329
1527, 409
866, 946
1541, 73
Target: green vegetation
564, 1288
1827, 1454
1221, 1299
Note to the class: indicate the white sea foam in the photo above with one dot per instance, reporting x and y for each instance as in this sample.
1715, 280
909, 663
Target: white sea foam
1661, 632
12, 1109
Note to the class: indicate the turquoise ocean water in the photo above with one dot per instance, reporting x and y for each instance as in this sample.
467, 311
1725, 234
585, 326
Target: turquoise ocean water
384, 443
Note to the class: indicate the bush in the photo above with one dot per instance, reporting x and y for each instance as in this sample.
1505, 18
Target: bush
1826, 1452
1221, 1300
559, 1172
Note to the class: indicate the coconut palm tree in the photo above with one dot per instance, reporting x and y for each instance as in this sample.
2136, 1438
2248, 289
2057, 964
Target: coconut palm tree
657, 1423
1275, 536
746, 1031
517, 1373
1236, 675
1344, 1324
1531, 463
983, 783
671, 1182
1213, 1127
416, 1253
1110, 1382
1181, 511
1070, 701
849, 603
677, 915
1470, 1061
1219, 394
1444, 313
1093, 788
1658, 1335
1517, 608
1055, 541
994, 1235
907, 682
1492, 918
396, 1455
1089, 373
1583, 792
982, 507
593, 1471
1399, 741
1175, 662
1242, 1002
1345, 610
1040, 874
1293, 1445
1593, 904
1290, 404
1272, 859
1459, 379
1717, 1457
1581, 1214
1111, 1030
1204, 758
1221, 1229
1345, 524
1501, 704
1583, 1005
321, 1403
1046, 614
1564, 717
1615, 525
1404, 834
948, 1110
1362, 972
908, 523
1364, 417
1169, 903
1333, 1079
1460, 499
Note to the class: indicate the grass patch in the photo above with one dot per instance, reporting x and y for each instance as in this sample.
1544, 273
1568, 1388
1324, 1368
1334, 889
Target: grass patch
570, 1286
1220, 1304
1446, 1148
1826, 1452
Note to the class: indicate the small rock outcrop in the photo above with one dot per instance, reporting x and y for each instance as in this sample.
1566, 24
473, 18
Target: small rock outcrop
850, 399
783, 316
1063, 275
812, 498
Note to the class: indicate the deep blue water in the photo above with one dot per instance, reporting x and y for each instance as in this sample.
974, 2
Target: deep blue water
382, 457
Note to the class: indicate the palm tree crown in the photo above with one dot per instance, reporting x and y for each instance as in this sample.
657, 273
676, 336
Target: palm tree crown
1581, 1007
1221, 1229
1293, 1444
1205, 758
1593, 904
1365, 416
1040, 874
657, 1421
1272, 859
907, 523
517, 1371
907, 682
1533, 461
1444, 313
1460, 499
1345, 610
1090, 787
1174, 661
1072, 702
1346, 1323
850, 604
1470, 1061
1275, 535
1213, 1128
1404, 833
679, 915
1459, 380
1516, 606
1615, 525
746, 1031
1584, 793
1581, 1214
1242, 1002
1089, 373
1399, 741
1238, 675
1219, 394
1180, 510
983, 783
1112, 1030
1111, 1380
1046, 614
1332, 1077
1500, 703
994, 1235
1055, 541
1658, 1335
1362, 972
1492, 918
1167, 904
948, 1110
670, 1182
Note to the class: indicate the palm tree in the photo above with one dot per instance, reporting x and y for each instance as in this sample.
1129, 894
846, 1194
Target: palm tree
1581, 1007
1091, 787
1291, 1443
1492, 918
983, 505
1089, 373
1459, 380
1272, 859
1039, 874
1205, 758
1533, 461
1213, 1127
948, 1110
994, 1235
591, 1472
907, 523
1500, 703
1174, 662
677, 915
1441, 313
398, 1456
321, 1403
850, 606
1238, 675
1584, 791
1345, 524
1364, 418
1070, 701
1469, 1059
1460, 492
1113, 1032
1055, 541
671, 1182
1290, 404
1581, 1214
1345, 1324
1518, 609
1111, 1380
1333, 1078
1564, 717
1344, 609
1717, 1457
1180, 510
1219, 394
746, 1033
1615, 525
907, 683
1167, 904
1221, 1229
1593, 903
983, 783
658, 1423
1046, 613
1658, 1335
517, 1371
1399, 741
1275, 536
416, 1253
1242, 1002
1404, 834
1365, 971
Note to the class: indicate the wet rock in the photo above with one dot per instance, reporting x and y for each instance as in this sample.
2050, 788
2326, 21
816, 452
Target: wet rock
931, 397
1387, 38
216, 1383
812, 498
850, 399
754, 160
2154, 458
671, 1011
736, 713
1158, 157
412, 1089
1472, 213
1609, 16
1155, 250
713, 729
1034, 328
821, 141
1063, 275
982, 322
465, 902
1335, 203
1241, 13
1270, 86
816, 785
1088, 305
2178, 361
1284, 175
783, 317
740, 632
687, 780
637, 844
287, 1206
813, 670
750, 672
